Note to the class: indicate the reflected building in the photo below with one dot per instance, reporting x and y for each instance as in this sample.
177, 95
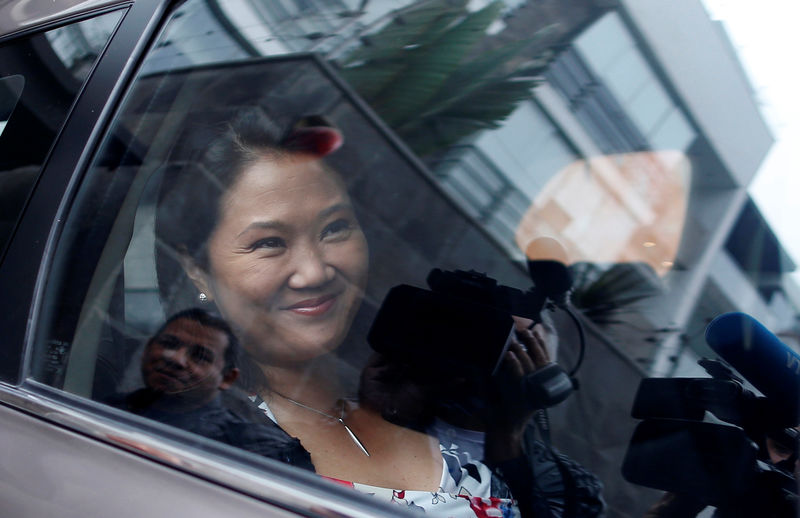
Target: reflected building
631, 151
636, 148
634, 151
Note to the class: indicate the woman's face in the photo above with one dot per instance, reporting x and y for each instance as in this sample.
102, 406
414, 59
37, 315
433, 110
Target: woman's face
287, 259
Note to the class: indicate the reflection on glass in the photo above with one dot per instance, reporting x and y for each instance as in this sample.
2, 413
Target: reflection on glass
614, 209
473, 129
52, 67
186, 367
281, 253
78, 45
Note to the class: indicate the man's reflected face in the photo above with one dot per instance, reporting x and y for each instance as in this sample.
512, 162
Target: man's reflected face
187, 359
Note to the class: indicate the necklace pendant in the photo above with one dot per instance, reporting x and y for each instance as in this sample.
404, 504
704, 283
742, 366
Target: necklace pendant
340, 419
354, 438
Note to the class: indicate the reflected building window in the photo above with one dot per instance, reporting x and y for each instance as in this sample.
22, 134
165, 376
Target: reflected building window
496, 177
199, 34
594, 105
606, 78
484, 192
618, 100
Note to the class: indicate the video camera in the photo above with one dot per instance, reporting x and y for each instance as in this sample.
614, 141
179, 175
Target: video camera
705, 438
463, 326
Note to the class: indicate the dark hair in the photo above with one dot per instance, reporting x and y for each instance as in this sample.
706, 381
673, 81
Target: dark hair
205, 318
208, 162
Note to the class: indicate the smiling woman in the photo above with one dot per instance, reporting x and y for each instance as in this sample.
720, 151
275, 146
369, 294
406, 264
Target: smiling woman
287, 260
279, 251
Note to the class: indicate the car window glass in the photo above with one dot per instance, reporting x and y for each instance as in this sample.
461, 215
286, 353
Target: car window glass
12, 90
40, 77
345, 235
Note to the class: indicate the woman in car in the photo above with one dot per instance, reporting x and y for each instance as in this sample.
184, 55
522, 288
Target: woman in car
266, 231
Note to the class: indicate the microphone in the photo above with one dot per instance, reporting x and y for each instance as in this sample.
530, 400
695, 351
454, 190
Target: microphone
766, 362
547, 266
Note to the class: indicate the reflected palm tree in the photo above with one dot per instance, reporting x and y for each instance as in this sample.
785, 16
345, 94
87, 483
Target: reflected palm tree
423, 74
606, 295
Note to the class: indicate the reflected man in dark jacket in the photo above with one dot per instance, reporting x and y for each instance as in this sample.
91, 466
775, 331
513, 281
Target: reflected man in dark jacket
186, 366
188, 362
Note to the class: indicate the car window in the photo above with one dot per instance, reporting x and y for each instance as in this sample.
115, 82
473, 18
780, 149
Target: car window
40, 77
12, 90
432, 250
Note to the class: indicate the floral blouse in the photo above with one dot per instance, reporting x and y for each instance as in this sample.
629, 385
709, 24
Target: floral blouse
467, 489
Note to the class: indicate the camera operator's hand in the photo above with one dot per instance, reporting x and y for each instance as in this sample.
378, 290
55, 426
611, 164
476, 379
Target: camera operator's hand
535, 342
510, 411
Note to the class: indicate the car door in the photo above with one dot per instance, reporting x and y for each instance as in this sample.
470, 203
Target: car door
582, 165
60, 82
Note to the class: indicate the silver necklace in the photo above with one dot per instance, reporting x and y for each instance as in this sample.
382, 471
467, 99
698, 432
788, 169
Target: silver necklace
340, 419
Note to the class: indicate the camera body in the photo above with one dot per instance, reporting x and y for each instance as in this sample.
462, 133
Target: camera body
481, 289
462, 327
705, 438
